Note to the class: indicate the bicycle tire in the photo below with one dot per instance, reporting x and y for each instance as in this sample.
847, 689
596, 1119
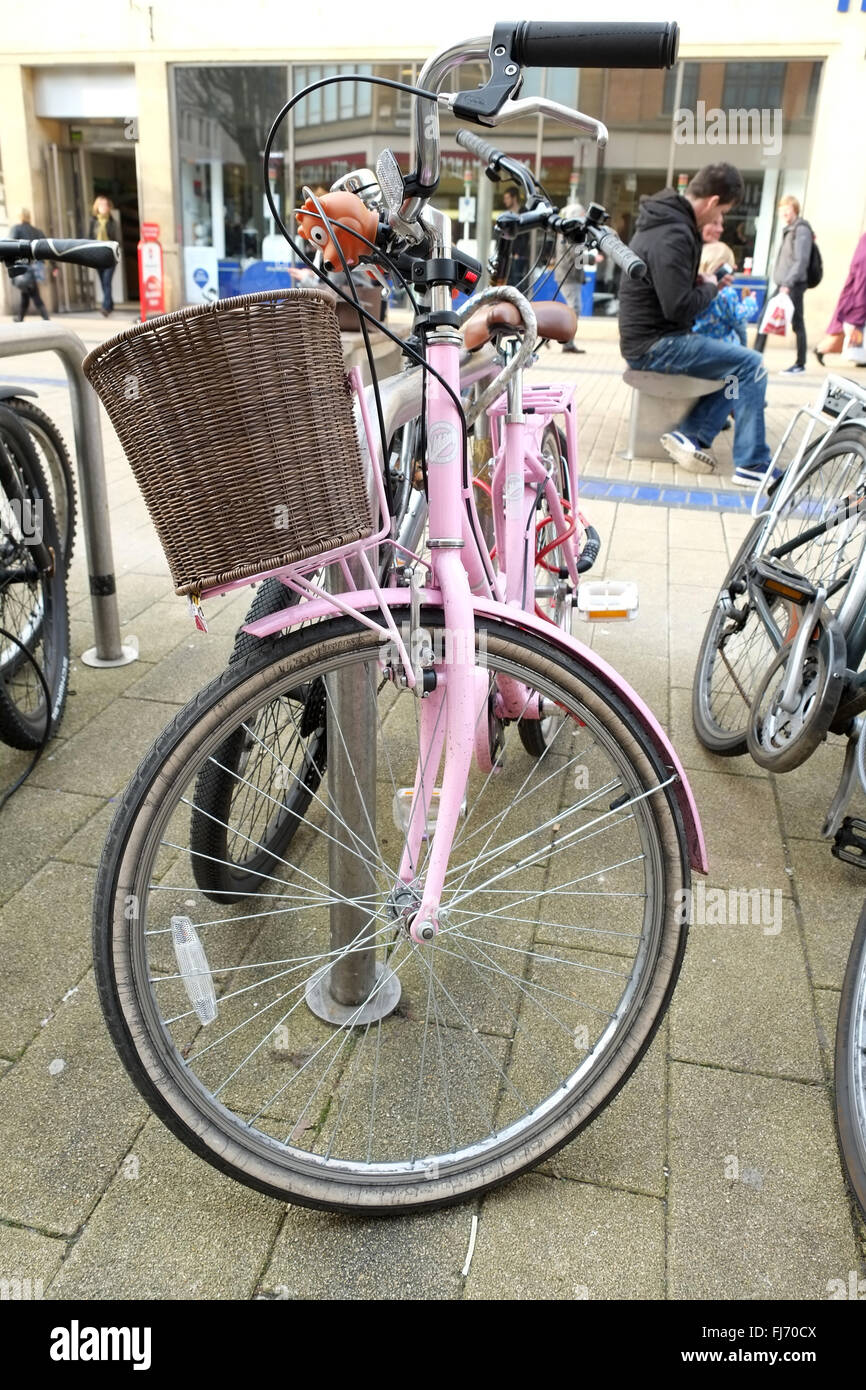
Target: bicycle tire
33, 608
224, 863
721, 702
536, 733
232, 1123
57, 466
850, 1067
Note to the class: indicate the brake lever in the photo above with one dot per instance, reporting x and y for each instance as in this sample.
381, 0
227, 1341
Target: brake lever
512, 110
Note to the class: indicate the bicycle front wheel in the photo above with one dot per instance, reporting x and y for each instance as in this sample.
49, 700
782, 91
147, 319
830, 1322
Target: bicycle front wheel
561, 934
850, 1070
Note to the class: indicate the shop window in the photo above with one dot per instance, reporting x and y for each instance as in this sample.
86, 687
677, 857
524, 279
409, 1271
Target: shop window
753, 85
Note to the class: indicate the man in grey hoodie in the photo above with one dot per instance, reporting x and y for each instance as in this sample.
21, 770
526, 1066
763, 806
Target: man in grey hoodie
790, 273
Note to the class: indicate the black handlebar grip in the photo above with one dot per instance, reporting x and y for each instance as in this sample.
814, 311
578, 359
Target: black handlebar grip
588, 44
488, 154
609, 244
98, 255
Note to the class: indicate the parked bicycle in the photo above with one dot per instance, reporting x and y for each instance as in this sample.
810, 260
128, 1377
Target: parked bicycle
224, 863
54, 459
37, 523
779, 664
850, 1066
472, 936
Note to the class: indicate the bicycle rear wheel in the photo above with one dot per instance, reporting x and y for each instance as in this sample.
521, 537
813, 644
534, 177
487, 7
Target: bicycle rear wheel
243, 820
736, 648
228, 789
562, 936
34, 615
850, 1068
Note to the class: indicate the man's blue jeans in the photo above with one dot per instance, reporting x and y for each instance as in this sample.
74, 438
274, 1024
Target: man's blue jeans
744, 391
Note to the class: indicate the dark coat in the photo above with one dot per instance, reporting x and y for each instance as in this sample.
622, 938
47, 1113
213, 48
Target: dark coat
669, 300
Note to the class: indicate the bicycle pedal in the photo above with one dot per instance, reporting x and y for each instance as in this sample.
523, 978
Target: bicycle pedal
850, 842
402, 809
787, 583
607, 600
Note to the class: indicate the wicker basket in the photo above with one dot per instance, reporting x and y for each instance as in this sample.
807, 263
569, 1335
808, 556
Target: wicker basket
236, 419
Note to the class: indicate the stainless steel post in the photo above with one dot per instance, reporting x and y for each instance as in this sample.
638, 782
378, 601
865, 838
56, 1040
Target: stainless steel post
357, 988
109, 650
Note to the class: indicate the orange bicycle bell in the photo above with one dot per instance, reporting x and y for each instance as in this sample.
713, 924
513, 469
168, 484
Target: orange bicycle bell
354, 217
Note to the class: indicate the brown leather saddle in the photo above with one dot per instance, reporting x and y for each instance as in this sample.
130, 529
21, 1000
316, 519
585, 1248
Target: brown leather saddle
555, 321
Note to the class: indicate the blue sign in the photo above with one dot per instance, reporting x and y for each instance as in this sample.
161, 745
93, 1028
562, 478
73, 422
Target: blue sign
200, 276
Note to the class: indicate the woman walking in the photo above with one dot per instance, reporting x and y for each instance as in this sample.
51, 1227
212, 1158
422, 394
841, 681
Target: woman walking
850, 315
104, 226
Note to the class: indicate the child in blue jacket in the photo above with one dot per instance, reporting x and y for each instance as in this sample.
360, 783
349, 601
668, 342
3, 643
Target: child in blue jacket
727, 315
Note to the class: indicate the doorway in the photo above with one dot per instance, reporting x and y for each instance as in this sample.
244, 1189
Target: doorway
75, 174
113, 174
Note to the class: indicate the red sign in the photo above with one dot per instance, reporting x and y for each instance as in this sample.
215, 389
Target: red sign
150, 231
150, 278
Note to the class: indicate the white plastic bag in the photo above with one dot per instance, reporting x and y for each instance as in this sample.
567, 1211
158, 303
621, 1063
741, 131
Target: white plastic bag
778, 313
854, 346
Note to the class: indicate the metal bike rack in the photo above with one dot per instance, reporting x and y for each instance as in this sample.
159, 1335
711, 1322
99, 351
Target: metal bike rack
109, 649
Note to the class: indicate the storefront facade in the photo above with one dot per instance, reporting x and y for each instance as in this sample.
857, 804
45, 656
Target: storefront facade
175, 137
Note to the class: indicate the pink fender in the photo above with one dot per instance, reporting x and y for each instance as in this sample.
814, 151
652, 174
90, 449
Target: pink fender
364, 602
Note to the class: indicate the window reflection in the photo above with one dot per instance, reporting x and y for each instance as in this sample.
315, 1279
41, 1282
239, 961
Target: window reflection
223, 113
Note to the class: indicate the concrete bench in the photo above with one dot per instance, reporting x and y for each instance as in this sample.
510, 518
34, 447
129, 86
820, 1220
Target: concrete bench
659, 401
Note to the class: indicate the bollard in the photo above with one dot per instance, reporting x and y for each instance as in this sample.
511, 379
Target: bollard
109, 650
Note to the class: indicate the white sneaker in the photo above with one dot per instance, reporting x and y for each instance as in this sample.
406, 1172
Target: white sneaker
686, 454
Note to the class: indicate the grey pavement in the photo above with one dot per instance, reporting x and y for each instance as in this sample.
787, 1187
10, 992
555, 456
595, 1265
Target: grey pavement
714, 1174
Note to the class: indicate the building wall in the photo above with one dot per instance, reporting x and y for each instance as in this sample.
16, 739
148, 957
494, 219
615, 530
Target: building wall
156, 35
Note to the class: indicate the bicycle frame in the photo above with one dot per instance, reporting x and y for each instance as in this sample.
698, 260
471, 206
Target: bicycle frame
463, 584
851, 617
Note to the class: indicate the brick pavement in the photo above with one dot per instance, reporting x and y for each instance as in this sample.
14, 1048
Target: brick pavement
713, 1175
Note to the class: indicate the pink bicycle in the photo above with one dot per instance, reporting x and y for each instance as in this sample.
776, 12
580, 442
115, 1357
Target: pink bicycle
479, 916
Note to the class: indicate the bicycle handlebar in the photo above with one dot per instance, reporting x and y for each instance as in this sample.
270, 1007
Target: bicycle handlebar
589, 44
497, 160
98, 255
488, 154
606, 240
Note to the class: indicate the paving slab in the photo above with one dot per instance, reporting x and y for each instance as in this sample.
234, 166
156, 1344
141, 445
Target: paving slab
831, 900
45, 947
44, 821
544, 1238
805, 794
171, 1227
324, 1256
757, 1206
183, 672
75, 1114
827, 1008
741, 827
28, 1262
626, 1146
127, 727
743, 999
692, 754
